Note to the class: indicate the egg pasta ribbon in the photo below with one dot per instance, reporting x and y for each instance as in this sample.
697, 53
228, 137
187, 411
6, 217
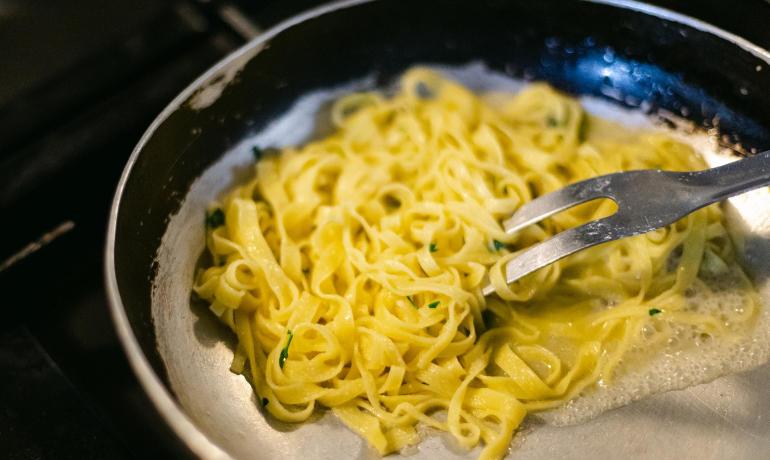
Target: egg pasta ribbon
350, 268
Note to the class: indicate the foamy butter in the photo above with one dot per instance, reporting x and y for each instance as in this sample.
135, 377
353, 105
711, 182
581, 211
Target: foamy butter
686, 359
689, 357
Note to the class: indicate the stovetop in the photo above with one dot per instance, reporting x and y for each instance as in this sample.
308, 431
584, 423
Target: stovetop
79, 83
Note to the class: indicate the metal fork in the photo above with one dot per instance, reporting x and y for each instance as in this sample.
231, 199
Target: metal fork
646, 199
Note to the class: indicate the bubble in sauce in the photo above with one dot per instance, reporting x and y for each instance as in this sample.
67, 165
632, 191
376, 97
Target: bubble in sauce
688, 356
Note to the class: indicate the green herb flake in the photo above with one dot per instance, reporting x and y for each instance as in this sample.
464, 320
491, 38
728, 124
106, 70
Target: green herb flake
424, 91
411, 301
583, 130
433, 247
655, 311
257, 152
498, 245
265, 402
392, 202
434, 304
551, 121
285, 352
215, 218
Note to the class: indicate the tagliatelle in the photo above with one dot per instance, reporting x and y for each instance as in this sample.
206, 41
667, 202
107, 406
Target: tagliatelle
350, 269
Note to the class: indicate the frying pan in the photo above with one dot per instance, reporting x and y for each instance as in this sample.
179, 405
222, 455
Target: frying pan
627, 54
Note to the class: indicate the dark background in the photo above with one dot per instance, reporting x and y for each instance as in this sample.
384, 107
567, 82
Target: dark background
79, 82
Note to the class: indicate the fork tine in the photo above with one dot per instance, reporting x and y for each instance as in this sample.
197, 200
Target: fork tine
557, 201
563, 244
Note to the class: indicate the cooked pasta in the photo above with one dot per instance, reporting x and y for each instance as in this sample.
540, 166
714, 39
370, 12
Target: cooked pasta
351, 268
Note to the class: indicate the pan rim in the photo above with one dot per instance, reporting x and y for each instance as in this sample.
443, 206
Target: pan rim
163, 400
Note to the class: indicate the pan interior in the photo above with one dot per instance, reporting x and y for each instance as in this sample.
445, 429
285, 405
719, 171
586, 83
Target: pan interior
196, 350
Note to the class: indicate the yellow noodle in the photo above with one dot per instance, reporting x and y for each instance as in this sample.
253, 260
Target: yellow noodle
350, 269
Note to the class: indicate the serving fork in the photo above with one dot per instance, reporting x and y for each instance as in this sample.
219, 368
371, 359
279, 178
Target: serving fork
646, 200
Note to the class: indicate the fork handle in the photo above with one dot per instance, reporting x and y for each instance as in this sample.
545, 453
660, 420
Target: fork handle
733, 178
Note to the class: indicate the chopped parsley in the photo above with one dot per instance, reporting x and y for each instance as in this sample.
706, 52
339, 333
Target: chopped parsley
424, 91
260, 153
551, 121
433, 247
391, 202
285, 352
411, 301
655, 311
583, 129
265, 402
215, 218
434, 304
498, 245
